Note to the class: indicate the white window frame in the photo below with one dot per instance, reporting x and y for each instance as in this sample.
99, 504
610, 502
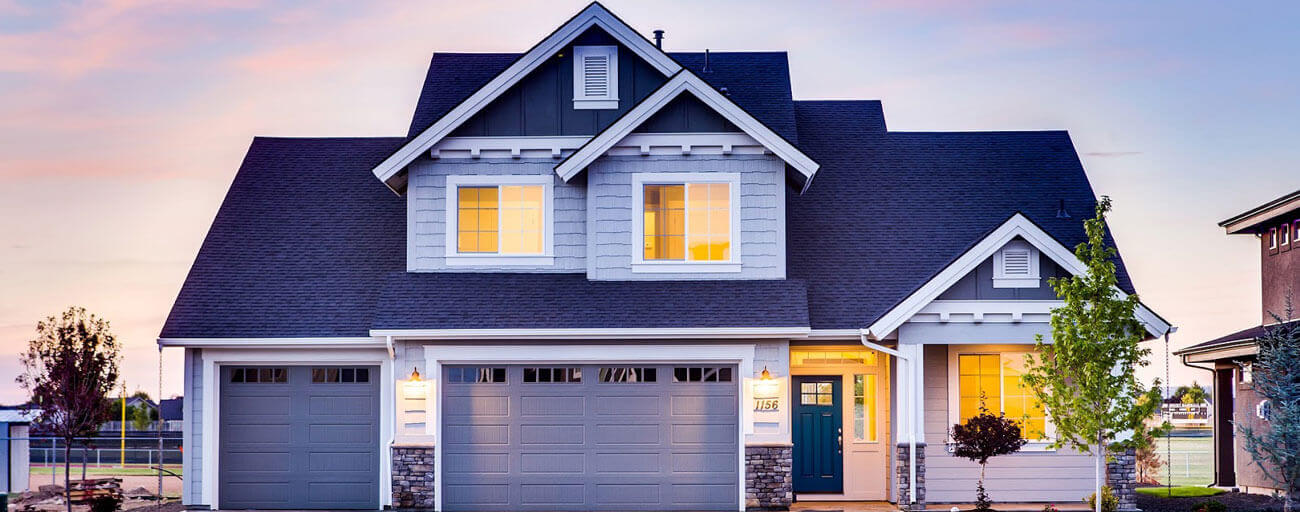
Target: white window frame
1000, 277
642, 265
580, 99
456, 258
1286, 234
1272, 238
954, 391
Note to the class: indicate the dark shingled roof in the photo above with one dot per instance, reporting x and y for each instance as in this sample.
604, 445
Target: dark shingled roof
759, 82
309, 243
553, 301
1248, 334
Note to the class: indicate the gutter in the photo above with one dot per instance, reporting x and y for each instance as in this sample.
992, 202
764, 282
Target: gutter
911, 415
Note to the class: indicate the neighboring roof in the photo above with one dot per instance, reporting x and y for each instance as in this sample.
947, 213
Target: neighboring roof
17, 416
889, 211
172, 408
300, 246
571, 301
1263, 213
686, 82
1244, 336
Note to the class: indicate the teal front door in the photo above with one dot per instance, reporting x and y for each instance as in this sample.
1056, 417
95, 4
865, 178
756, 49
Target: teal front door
818, 438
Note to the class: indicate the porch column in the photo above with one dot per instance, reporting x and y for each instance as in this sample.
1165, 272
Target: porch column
910, 444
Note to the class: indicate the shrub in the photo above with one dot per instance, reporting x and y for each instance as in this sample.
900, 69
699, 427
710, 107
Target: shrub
1210, 506
1050, 507
1109, 503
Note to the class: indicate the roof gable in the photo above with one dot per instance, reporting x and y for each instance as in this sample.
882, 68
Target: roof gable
594, 15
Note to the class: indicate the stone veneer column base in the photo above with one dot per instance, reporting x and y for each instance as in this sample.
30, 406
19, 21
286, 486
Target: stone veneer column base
413, 483
768, 476
1121, 476
904, 471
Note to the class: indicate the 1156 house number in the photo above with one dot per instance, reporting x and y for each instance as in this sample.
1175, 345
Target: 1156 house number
766, 404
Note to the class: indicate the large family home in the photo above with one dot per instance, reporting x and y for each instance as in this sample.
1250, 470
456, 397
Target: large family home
601, 276
1276, 224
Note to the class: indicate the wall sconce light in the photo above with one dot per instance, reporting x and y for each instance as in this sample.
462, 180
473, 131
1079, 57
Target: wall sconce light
766, 387
414, 386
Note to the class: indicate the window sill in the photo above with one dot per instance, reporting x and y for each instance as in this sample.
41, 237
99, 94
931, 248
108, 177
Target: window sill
685, 267
595, 104
1030, 447
485, 260
1015, 282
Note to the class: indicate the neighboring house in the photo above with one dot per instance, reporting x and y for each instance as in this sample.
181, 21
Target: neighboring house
1277, 225
599, 276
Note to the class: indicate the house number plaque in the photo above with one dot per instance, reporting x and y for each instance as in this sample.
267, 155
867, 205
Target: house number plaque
766, 404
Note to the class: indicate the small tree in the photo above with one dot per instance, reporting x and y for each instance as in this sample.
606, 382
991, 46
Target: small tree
981, 438
70, 368
1086, 378
142, 416
1277, 380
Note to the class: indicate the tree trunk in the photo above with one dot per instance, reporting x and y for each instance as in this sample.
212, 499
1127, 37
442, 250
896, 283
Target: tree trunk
67, 469
1101, 456
85, 451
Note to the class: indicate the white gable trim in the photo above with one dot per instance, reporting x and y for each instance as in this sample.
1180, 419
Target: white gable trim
685, 81
1017, 225
594, 15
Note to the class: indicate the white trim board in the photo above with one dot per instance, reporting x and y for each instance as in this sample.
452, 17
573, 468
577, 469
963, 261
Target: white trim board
686, 81
741, 354
686, 333
636, 144
593, 15
1016, 226
453, 257
274, 342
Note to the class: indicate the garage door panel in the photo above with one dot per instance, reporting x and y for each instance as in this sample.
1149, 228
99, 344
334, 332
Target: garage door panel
334, 461
258, 461
256, 434
589, 445
334, 406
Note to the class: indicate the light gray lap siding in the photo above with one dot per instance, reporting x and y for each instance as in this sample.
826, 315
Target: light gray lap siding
192, 463
427, 212
611, 213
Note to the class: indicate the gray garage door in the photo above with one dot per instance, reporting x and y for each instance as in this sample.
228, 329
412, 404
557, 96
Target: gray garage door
299, 437
590, 437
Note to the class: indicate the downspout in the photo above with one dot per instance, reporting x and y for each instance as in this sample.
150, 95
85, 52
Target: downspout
911, 430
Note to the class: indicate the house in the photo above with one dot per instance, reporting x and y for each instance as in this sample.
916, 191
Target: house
601, 276
1277, 225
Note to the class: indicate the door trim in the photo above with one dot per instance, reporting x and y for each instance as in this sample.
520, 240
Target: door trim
837, 410
740, 354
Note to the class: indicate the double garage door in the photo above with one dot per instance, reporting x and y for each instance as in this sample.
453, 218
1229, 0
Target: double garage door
299, 437
590, 437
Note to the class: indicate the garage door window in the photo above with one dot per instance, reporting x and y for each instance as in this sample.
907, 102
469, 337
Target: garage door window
335, 374
476, 375
259, 375
552, 375
624, 374
701, 374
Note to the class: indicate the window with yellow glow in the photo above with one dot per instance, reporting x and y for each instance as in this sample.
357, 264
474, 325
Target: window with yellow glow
504, 219
832, 357
995, 381
864, 408
690, 222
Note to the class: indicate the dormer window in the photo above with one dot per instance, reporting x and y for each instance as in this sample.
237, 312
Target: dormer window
1016, 266
499, 220
595, 77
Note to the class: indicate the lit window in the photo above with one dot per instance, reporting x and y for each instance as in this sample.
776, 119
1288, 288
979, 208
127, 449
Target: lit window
817, 393
864, 408
690, 222
832, 357
505, 219
995, 382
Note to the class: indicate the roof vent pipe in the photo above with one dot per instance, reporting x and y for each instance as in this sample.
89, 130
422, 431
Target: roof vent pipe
706, 62
659, 39
1061, 213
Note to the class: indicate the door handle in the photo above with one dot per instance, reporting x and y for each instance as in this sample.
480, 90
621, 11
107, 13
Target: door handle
839, 440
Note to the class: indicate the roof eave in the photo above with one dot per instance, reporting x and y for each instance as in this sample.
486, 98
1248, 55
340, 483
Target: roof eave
1244, 221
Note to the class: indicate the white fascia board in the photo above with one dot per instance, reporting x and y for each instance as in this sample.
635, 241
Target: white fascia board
1017, 225
685, 81
594, 15
597, 334
322, 342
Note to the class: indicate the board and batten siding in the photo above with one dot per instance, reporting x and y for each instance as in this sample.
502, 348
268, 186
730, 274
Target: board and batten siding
1063, 476
192, 462
427, 214
611, 213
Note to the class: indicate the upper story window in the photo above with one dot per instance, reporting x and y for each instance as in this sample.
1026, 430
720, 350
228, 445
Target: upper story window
1272, 239
1284, 232
688, 222
595, 77
1016, 266
499, 220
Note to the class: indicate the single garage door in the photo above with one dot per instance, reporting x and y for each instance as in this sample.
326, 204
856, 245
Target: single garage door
590, 437
299, 437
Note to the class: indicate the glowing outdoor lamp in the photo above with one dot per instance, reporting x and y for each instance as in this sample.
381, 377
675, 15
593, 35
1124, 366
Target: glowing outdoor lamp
766, 387
414, 387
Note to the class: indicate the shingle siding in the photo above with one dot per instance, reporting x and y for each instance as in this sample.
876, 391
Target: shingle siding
762, 222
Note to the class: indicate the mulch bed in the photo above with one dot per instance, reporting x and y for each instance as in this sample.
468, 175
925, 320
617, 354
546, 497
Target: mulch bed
1235, 501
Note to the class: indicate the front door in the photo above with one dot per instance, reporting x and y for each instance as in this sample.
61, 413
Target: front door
818, 434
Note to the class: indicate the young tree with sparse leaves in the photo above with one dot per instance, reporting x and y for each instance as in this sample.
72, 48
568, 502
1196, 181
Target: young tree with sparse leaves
1277, 380
70, 369
981, 438
1086, 377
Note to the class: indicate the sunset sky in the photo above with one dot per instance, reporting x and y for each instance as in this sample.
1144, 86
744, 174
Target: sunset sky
123, 122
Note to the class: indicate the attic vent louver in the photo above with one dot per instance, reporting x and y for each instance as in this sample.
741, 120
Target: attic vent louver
595, 77
1016, 266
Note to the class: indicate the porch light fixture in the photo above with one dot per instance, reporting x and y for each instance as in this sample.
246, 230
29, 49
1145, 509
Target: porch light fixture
414, 386
766, 387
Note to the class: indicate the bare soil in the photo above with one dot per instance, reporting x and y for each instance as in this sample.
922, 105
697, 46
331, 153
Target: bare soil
1235, 501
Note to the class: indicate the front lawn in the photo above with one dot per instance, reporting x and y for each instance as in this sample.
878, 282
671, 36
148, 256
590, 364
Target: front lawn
1187, 491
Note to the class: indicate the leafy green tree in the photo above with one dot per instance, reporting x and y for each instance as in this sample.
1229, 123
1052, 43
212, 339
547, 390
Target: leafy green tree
142, 416
69, 370
1086, 378
1277, 380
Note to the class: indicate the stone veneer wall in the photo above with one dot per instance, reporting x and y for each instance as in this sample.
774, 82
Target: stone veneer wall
413, 484
904, 481
768, 476
1121, 476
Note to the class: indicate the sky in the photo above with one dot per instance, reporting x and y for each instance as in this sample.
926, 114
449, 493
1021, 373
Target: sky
123, 122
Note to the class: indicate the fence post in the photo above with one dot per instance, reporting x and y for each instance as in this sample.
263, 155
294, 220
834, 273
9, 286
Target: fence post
54, 474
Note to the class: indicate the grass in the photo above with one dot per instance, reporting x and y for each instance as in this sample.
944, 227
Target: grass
130, 470
1179, 492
